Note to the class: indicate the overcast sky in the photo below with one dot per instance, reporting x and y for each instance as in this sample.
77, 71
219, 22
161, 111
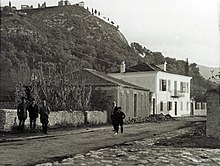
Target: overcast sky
178, 28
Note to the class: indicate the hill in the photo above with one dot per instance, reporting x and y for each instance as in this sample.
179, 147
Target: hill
42, 47
55, 33
206, 72
57, 40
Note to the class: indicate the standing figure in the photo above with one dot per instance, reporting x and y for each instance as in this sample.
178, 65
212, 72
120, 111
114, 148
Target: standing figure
44, 116
33, 115
119, 116
114, 109
22, 113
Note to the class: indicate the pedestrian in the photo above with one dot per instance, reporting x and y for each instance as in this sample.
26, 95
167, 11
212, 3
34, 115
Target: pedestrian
44, 116
114, 109
119, 116
33, 115
22, 113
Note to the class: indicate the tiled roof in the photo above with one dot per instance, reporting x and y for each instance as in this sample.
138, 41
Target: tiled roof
143, 67
114, 80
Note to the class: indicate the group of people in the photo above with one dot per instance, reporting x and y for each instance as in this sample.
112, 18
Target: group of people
24, 106
34, 111
117, 117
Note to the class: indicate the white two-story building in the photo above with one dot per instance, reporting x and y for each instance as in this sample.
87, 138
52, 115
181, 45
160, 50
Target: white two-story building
170, 92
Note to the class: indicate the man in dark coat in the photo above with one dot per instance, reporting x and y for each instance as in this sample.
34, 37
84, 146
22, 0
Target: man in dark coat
119, 116
44, 116
114, 109
22, 113
33, 115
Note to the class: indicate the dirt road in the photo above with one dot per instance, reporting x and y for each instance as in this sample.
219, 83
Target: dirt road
61, 144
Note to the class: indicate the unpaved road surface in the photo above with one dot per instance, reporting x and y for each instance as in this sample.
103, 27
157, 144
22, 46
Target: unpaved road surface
62, 144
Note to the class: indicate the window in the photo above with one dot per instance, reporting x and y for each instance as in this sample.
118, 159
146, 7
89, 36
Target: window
187, 87
127, 100
181, 105
183, 86
197, 106
142, 101
169, 85
203, 106
163, 85
187, 106
161, 106
135, 105
169, 105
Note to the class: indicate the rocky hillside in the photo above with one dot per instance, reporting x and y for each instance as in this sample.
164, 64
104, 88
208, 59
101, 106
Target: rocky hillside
47, 44
58, 33
58, 40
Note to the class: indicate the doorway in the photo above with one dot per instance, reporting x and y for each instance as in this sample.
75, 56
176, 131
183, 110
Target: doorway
154, 107
135, 105
175, 108
192, 110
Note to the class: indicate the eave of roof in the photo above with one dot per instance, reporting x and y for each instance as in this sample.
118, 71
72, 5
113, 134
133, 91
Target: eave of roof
115, 80
143, 67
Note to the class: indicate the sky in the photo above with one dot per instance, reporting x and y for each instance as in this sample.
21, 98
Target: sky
178, 28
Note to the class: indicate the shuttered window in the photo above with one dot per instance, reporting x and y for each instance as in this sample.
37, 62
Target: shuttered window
163, 85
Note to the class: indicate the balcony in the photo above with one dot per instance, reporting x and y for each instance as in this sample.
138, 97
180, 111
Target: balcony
177, 93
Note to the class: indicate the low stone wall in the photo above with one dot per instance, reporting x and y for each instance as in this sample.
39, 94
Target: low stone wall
8, 119
97, 117
213, 114
200, 112
200, 109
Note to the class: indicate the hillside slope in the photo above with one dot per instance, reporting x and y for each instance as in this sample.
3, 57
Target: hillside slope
58, 32
57, 40
206, 72
44, 46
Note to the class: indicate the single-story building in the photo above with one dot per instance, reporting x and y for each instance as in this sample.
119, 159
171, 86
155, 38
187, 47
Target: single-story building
134, 100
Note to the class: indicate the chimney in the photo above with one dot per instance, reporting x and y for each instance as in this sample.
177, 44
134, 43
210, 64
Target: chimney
122, 67
165, 66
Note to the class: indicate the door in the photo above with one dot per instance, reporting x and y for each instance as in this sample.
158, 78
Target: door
135, 105
154, 107
175, 108
192, 110
175, 88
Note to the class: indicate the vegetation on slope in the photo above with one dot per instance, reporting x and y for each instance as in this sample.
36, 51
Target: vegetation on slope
44, 46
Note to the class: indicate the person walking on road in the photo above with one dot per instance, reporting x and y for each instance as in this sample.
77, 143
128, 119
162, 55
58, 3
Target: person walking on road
119, 116
22, 113
44, 116
114, 109
33, 115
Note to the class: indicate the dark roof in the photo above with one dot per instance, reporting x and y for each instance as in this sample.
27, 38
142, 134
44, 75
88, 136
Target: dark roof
114, 80
143, 67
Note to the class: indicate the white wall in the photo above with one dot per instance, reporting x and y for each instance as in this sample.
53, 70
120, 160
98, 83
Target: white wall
126, 101
143, 79
200, 110
150, 80
8, 118
166, 96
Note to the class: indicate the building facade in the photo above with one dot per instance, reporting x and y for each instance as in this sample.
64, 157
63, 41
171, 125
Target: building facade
134, 100
198, 108
170, 92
